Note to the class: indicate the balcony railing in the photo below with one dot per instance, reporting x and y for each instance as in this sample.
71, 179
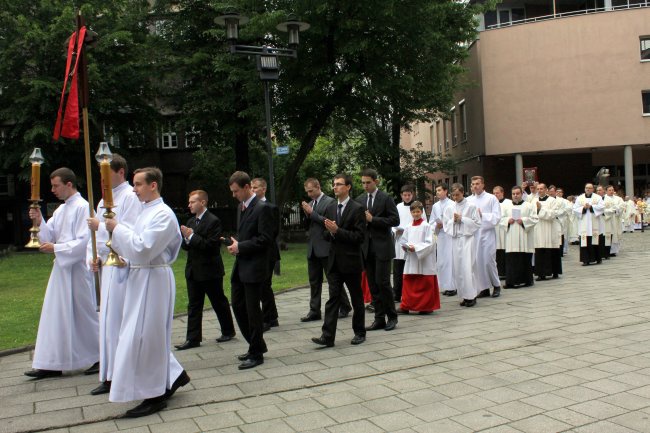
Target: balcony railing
645, 4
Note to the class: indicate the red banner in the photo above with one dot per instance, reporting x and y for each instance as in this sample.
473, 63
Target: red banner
68, 125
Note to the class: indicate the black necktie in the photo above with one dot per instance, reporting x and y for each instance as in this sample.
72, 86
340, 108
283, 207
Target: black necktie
339, 213
369, 201
315, 203
198, 220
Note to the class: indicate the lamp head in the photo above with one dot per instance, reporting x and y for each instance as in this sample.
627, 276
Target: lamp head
36, 157
231, 21
104, 153
293, 27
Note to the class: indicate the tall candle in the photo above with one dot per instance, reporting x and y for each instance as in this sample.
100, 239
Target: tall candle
107, 191
36, 181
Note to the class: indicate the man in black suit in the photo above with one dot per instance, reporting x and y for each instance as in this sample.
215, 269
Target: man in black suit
378, 249
318, 248
345, 225
204, 271
252, 251
269, 309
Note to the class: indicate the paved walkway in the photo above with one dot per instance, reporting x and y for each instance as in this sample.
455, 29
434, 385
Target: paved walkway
567, 355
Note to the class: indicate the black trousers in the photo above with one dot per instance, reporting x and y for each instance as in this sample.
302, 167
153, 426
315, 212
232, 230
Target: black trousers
334, 303
269, 309
398, 276
548, 261
519, 269
501, 263
316, 267
378, 273
196, 292
602, 248
590, 253
246, 299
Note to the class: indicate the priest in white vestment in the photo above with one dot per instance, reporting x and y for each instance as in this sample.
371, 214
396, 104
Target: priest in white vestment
565, 218
443, 241
574, 237
548, 261
113, 278
629, 215
144, 366
588, 209
519, 220
68, 330
461, 221
614, 208
486, 238
504, 203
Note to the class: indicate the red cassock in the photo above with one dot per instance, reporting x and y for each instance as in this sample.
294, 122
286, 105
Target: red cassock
420, 293
367, 297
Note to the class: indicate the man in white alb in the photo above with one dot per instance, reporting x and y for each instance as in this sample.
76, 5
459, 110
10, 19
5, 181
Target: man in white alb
504, 203
443, 245
588, 208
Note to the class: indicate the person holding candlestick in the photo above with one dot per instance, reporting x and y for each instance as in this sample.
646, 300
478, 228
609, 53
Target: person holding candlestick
68, 330
113, 278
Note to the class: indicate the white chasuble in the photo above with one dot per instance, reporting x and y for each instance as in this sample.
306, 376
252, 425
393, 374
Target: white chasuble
486, 249
588, 218
463, 247
443, 245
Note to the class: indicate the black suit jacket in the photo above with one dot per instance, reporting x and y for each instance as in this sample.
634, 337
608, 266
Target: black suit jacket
275, 249
384, 217
203, 251
318, 245
345, 245
255, 237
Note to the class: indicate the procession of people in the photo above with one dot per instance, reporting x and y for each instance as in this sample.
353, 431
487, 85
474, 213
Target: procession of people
471, 246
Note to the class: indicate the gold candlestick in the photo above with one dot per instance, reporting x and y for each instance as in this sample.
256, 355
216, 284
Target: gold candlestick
104, 156
36, 158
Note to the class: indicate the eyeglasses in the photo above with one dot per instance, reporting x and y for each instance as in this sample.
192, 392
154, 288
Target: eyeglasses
338, 184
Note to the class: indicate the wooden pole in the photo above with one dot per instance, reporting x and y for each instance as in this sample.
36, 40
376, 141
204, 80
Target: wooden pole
84, 96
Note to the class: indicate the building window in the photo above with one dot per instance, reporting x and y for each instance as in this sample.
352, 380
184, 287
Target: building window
168, 138
645, 47
463, 121
645, 96
192, 138
432, 135
110, 136
444, 128
454, 133
7, 185
439, 135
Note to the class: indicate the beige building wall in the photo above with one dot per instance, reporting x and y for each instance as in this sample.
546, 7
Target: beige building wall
570, 83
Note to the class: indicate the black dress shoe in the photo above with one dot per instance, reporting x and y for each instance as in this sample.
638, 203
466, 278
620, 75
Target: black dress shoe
311, 317
391, 324
243, 356
462, 304
452, 293
376, 325
181, 380
370, 308
343, 313
540, 279
484, 294
274, 323
147, 407
358, 339
585, 263
92, 370
496, 292
400, 311
251, 363
42, 374
187, 345
104, 388
322, 341
470, 303
598, 262
225, 338
556, 276
425, 313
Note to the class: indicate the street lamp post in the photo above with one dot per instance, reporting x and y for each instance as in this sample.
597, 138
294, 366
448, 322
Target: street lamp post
267, 66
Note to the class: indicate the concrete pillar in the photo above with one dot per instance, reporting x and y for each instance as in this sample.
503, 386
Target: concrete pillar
629, 171
519, 169
608, 5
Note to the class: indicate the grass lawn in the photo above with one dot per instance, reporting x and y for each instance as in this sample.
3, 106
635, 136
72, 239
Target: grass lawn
23, 279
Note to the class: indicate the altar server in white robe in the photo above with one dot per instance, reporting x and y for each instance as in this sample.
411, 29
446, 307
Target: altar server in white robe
588, 208
144, 366
629, 214
443, 242
605, 236
548, 261
461, 221
574, 237
501, 231
68, 331
519, 220
486, 238
113, 278
565, 218
614, 208
405, 219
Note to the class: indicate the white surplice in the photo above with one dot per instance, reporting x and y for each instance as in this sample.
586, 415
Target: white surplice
443, 246
547, 230
144, 365
486, 240
588, 222
405, 220
463, 246
629, 216
500, 229
422, 261
68, 331
520, 238
113, 279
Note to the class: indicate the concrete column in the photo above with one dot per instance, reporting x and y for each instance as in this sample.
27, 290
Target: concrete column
519, 169
629, 171
608, 5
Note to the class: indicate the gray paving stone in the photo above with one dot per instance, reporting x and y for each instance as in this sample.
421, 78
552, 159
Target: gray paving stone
548, 401
218, 421
604, 427
262, 413
39, 421
540, 424
297, 407
360, 426
348, 413
179, 426
307, 421
515, 410
570, 417
444, 425
638, 421
395, 420
479, 420
272, 426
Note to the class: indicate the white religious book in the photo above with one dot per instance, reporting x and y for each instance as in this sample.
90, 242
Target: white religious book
516, 213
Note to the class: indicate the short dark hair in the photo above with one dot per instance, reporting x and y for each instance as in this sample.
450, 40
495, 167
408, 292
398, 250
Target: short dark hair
312, 181
458, 187
473, 179
241, 178
417, 205
260, 180
151, 175
346, 178
498, 187
65, 174
119, 162
407, 188
370, 172
517, 187
552, 187
443, 185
